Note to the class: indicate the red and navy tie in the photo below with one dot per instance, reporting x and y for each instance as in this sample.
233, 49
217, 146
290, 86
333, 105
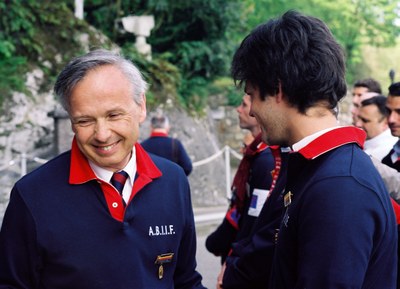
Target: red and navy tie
118, 181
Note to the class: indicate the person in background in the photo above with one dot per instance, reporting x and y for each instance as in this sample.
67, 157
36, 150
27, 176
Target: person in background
249, 263
247, 140
250, 188
339, 229
159, 143
392, 159
391, 178
361, 87
104, 214
372, 118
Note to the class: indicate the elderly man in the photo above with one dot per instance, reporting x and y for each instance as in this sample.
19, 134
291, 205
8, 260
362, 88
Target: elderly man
104, 214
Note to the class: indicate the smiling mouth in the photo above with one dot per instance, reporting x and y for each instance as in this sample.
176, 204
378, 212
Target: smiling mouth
106, 148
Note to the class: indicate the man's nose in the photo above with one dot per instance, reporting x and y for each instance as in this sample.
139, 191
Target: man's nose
358, 123
102, 131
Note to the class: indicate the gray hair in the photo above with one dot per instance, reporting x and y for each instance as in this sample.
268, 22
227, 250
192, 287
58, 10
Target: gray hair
159, 121
78, 67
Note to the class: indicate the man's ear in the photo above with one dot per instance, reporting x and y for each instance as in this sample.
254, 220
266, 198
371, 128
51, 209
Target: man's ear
279, 94
143, 111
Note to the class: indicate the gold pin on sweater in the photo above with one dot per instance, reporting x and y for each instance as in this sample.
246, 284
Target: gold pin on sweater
163, 259
287, 199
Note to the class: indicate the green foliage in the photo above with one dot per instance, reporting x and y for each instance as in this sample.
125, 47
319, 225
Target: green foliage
163, 77
354, 23
11, 69
196, 100
40, 34
23, 23
192, 42
198, 37
225, 86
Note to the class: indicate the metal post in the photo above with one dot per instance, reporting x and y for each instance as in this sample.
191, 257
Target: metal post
228, 172
23, 164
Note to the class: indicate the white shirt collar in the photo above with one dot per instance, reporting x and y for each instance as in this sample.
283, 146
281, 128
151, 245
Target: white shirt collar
106, 175
305, 141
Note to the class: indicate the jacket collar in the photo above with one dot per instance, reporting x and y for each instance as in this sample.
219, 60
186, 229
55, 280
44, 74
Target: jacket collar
332, 139
81, 172
158, 134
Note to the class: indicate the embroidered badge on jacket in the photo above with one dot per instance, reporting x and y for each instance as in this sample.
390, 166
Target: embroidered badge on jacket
161, 230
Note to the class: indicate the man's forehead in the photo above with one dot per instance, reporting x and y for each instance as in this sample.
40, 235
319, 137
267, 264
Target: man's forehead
368, 110
393, 101
358, 90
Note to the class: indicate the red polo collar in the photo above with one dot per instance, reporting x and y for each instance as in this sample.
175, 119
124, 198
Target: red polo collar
333, 139
262, 146
81, 172
158, 134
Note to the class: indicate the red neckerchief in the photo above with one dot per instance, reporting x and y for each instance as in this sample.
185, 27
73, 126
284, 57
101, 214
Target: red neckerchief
157, 134
240, 180
81, 172
242, 173
333, 139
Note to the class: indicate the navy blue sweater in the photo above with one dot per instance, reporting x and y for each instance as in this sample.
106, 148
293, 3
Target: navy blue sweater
169, 148
61, 235
250, 262
339, 229
220, 241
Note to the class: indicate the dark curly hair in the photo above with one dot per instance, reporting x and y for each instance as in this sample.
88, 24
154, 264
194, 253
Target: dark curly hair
297, 52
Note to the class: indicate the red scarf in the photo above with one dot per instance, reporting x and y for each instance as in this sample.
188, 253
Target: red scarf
242, 174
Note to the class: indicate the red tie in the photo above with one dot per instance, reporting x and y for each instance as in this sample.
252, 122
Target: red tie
118, 181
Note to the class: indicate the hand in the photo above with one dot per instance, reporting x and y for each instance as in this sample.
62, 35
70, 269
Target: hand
221, 277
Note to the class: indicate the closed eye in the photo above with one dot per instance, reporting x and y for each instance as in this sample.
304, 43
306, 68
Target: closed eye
115, 115
83, 122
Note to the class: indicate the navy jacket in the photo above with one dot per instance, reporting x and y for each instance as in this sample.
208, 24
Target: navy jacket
220, 241
339, 228
249, 264
59, 230
169, 148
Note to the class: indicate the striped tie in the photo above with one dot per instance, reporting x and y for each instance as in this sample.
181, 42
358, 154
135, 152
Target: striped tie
396, 153
118, 181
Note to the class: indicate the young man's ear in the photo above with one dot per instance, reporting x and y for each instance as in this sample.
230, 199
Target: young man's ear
279, 94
